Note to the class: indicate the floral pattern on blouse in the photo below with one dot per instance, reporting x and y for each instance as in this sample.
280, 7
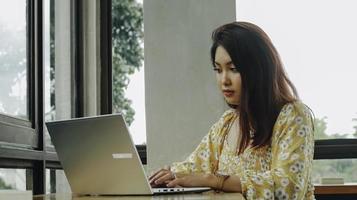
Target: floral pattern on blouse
281, 170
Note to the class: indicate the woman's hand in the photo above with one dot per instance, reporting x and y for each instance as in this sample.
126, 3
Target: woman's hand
230, 184
194, 180
161, 177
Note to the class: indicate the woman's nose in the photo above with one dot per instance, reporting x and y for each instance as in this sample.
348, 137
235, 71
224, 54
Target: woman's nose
225, 79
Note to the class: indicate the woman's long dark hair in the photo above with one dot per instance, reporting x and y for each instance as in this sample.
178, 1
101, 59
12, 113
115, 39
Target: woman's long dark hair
265, 85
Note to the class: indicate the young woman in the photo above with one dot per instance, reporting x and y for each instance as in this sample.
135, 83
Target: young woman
263, 146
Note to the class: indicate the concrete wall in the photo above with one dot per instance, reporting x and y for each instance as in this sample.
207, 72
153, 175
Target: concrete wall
182, 99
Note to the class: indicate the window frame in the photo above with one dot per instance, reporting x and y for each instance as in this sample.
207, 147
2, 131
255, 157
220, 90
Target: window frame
15, 155
106, 57
35, 156
22, 141
335, 149
26, 135
24, 129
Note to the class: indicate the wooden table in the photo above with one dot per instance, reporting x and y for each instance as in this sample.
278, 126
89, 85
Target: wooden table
204, 196
344, 189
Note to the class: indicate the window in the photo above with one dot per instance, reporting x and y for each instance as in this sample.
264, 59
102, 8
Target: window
13, 59
62, 58
14, 179
58, 63
21, 143
15, 72
127, 65
49, 64
56, 181
316, 41
332, 168
45, 35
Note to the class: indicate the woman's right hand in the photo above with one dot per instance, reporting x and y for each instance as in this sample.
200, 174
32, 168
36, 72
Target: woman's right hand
161, 177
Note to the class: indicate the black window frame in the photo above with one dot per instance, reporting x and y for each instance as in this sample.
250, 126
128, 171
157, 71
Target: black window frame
335, 149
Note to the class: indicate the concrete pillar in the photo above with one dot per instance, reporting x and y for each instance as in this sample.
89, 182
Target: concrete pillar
182, 99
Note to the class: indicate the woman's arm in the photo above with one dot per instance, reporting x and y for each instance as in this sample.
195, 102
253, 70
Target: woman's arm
227, 184
231, 184
199, 162
202, 160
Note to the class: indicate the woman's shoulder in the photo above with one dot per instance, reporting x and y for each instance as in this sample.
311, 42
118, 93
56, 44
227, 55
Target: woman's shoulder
294, 121
224, 120
294, 109
226, 116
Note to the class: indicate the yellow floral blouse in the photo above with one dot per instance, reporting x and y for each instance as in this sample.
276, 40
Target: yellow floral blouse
281, 170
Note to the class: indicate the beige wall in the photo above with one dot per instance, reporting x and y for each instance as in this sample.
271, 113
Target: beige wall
182, 99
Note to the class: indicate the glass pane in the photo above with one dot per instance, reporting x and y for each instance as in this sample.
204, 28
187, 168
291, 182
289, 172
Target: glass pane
57, 52
49, 58
13, 62
62, 185
56, 182
14, 179
317, 43
49, 64
343, 168
128, 69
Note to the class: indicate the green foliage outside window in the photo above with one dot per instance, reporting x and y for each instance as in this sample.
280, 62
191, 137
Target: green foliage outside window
321, 133
3, 185
127, 51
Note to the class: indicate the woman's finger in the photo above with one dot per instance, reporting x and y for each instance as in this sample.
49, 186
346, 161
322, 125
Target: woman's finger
156, 172
174, 183
166, 177
157, 176
166, 167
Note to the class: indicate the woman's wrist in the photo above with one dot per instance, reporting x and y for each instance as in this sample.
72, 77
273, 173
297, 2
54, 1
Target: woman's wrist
219, 180
211, 180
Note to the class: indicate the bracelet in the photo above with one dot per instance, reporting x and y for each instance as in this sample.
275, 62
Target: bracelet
221, 179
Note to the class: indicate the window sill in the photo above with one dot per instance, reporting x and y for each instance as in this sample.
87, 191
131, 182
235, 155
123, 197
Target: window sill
347, 188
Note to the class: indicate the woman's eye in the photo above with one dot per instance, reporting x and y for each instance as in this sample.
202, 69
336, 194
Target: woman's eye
233, 69
217, 70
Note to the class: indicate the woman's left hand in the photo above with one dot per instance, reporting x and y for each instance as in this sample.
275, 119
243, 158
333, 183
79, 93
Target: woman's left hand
193, 180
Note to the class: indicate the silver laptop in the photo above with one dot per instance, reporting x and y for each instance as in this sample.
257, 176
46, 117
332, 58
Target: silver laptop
99, 157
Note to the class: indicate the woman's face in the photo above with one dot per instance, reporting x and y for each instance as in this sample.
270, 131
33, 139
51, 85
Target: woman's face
228, 78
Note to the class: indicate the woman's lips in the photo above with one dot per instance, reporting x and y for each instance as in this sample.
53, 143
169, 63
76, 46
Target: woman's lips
228, 93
